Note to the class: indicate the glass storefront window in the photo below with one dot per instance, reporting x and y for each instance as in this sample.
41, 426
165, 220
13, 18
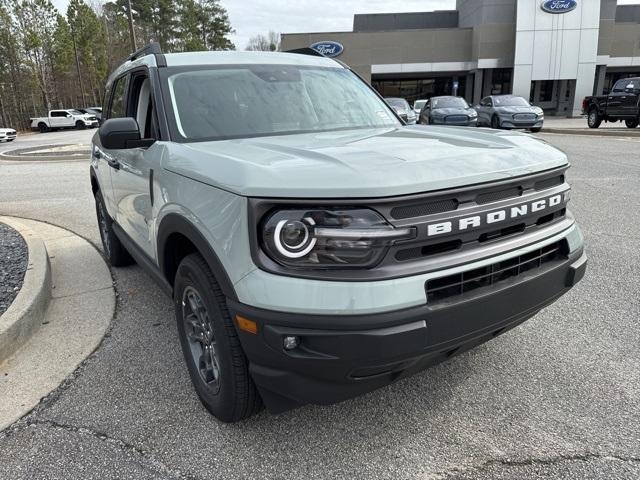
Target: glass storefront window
420, 88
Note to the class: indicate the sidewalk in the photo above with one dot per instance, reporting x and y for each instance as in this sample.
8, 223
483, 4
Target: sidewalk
81, 305
578, 126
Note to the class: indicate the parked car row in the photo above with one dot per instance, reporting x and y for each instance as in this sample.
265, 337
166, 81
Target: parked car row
70, 118
495, 111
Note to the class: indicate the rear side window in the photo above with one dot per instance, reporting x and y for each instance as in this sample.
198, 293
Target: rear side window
118, 99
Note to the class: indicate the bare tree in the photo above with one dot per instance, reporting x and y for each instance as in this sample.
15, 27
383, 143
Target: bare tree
264, 43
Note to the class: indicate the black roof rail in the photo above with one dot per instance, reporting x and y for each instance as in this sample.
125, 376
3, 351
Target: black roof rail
152, 49
305, 51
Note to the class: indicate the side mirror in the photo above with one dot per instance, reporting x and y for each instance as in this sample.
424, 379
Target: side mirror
121, 133
68, 115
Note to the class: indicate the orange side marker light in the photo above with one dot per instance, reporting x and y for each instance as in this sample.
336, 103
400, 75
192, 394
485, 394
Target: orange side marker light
246, 324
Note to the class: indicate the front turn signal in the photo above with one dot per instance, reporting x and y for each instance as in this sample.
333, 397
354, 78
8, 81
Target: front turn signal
247, 325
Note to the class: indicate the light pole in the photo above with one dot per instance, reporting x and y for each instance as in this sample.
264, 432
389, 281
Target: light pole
134, 47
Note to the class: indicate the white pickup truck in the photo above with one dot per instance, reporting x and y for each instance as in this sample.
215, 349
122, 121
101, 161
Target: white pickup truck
64, 119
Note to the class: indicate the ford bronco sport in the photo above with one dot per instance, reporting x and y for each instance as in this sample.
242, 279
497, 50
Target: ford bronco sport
315, 247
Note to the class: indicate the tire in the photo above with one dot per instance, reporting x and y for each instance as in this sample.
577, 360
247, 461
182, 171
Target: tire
632, 123
80, 125
113, 249
495, 122
42, 127
217, 365
10, 139
535, 130
593, 118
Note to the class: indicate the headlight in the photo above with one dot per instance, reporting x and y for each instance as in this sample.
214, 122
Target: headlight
473, 114
329, 239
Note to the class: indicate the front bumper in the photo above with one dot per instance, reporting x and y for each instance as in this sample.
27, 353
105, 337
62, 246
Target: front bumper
509, 122
342, 356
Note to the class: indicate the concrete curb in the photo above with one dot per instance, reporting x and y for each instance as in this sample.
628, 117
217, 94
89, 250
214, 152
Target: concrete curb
76, 319
26, 312
30, 154
595, 132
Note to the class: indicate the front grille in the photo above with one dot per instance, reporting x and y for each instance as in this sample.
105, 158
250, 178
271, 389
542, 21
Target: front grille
457, 119
481, 196
448, 246
498, 195
549, 183
524, 117
452, 286
421, 209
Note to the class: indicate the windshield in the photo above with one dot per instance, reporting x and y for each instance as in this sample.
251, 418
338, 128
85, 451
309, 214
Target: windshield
256, 100
400, 103
510, 102
449, 102
418, 104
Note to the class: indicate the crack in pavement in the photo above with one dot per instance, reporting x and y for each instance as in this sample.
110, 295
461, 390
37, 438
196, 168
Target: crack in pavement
486, 465
148, 459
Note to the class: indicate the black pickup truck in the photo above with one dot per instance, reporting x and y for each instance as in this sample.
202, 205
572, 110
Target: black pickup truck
622, 103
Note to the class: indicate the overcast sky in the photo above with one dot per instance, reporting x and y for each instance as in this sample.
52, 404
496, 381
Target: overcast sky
250, 17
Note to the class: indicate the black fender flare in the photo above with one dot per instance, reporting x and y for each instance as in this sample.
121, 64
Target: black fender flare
175, 223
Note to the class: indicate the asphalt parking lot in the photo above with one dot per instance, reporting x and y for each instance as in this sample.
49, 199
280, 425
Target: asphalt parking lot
557, 397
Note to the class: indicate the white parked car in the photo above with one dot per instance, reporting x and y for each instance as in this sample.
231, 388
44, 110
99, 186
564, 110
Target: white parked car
64, 119
417, 106
7, 134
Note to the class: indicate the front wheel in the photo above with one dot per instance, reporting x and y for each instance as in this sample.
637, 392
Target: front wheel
495, 122
535, 130
631, 123
114, 251
217, 364
593, 119
80, 125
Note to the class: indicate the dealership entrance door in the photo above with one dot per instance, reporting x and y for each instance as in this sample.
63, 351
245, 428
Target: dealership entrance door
555, 97
413, 88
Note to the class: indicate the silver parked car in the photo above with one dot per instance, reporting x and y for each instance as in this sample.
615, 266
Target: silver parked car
402, 108
509, 111
448, 110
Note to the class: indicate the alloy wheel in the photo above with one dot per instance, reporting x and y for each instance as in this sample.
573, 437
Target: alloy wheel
199, 331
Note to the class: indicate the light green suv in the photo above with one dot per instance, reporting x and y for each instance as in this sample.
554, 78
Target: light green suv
315, 247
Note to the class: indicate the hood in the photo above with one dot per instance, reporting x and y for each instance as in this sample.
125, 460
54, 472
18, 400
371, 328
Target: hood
7, 130
517, 109
362, 163
453, 111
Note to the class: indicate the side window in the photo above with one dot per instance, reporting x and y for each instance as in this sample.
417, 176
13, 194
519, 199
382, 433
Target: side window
620, 85
484, 102
632, 85
58, 113
141, 105
118, 99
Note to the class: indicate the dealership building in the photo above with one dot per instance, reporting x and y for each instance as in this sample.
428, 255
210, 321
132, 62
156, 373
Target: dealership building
552, 52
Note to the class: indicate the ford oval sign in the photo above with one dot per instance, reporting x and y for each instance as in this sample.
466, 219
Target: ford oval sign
559, 6
328, 48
